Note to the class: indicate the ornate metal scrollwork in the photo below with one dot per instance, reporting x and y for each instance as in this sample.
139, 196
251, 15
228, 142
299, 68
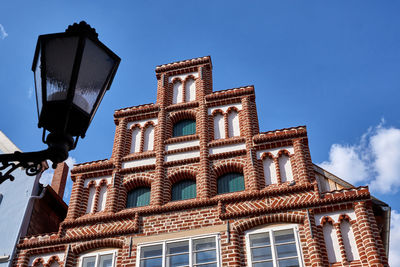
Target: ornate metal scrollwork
32, 162
31, 169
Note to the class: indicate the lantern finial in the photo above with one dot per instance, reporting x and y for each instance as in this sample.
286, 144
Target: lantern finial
82, 27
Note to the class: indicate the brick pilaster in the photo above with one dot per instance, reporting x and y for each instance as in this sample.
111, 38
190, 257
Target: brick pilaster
157, 194
314, 249
301, 161
202, 121
76, 199
250, 172
367, 235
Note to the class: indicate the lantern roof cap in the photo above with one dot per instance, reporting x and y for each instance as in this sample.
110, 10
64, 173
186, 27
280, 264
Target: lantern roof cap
82, 28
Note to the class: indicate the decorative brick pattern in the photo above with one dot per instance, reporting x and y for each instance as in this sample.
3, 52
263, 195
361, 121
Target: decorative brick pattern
295, 203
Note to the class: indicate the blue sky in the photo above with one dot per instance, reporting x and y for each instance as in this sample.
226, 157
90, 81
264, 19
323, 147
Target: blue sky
331, 65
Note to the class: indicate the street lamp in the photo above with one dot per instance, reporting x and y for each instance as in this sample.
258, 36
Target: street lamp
72, 72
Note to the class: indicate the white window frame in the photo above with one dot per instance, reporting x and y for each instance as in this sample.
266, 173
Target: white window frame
98, 254
190, 239
269, 229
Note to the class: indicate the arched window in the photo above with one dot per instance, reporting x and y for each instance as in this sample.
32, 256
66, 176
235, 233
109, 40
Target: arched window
138, 197
269, 171
233, 124
285, 168
149, 138
102, 198
219, 126
230, 182
183, 190
90, 203
331, 243
135, 143
184, 127
177, 96
349, 241
190, 90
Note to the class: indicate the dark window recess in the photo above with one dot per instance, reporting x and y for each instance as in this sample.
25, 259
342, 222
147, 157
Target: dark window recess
184, 190
184, 127
138, 197
230, 182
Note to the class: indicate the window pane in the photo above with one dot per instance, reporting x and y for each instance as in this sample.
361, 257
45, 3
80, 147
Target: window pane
89, 261
230, 182
138, 197
289, 263
207, 265
184, 190
151, 251
106, 260
178, 247
184, 127
284, 236
287, 250
257, 240
264, 264
155, 262
259, 254
178, 260
205, 256
204, 243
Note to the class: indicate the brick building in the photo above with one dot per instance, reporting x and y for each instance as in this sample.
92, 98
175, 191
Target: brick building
193, 182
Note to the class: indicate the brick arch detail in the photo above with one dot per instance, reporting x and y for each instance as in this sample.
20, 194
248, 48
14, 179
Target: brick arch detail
137, 182
343, 217
181, 115
267, 155
230, 109
148, 123
273, 218
283, 152
327, 219
217, 111
91, 183
105, 243
103, 182
190, 77
228, 166
176, 80
133, 127
180, 175
38, 261
53, 259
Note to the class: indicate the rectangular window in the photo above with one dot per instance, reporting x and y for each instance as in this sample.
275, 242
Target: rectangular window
190, 252
278, 246
98, 259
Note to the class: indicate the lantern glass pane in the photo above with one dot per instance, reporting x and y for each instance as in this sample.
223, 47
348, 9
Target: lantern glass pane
95, 69
38, 82
59, 57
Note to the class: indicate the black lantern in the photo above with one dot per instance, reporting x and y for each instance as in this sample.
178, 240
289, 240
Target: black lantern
72, 71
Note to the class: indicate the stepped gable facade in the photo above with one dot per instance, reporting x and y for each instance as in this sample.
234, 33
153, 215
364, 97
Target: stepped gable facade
193, 182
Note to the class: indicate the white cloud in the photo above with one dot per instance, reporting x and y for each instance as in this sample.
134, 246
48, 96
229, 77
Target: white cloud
346, 163
3, 33
375, 160
47, 176
394, 249
385, 145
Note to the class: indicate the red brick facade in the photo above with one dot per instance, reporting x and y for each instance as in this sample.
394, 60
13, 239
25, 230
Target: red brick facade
295, 197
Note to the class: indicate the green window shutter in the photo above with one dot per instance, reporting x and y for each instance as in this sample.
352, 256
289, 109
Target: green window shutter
138, 197
185, 189
184, 127
230, 182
